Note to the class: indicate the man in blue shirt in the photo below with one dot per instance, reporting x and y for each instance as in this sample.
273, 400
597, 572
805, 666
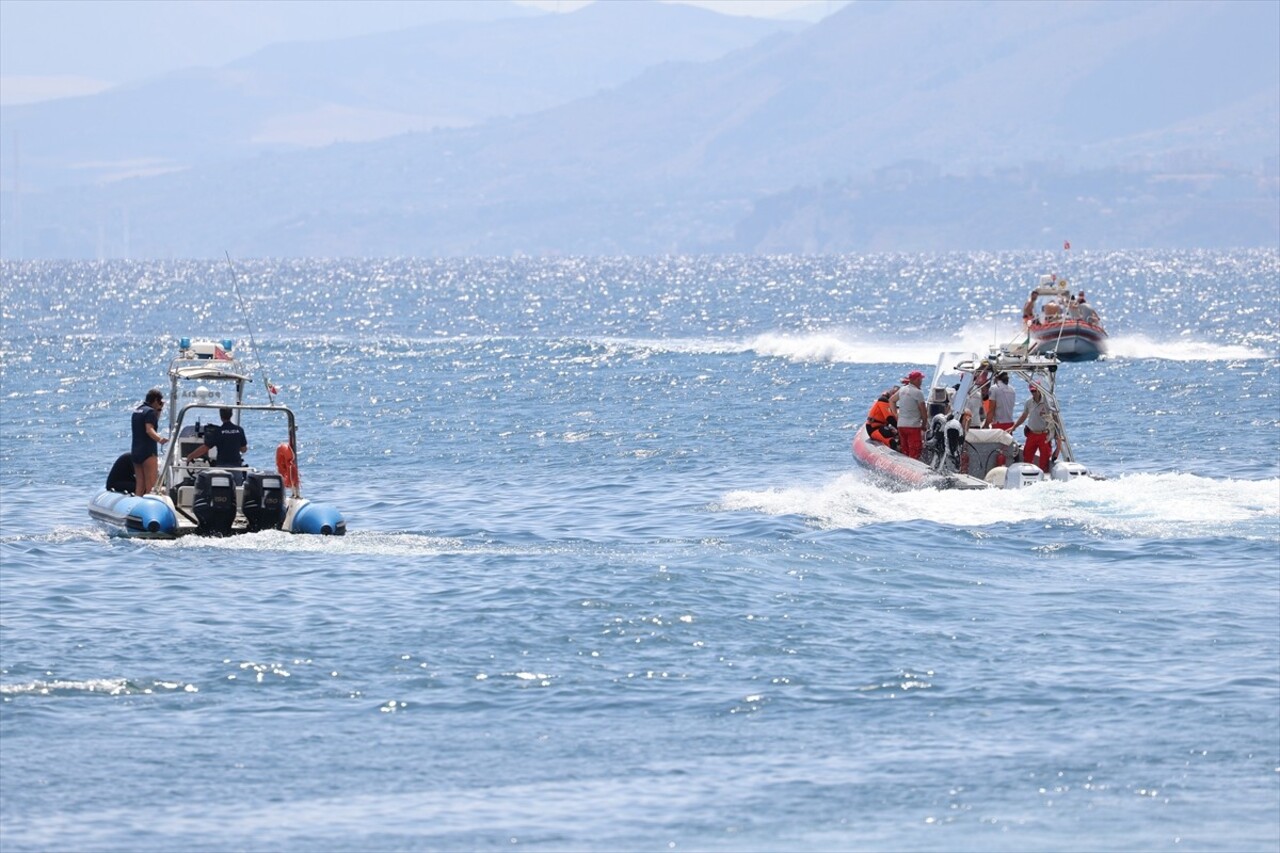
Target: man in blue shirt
229, 440
146, 441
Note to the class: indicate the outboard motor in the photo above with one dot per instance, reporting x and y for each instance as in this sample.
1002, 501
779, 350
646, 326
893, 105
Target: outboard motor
935, 440
263, 504
1068, 470
215, 501
1020, 474
954, 433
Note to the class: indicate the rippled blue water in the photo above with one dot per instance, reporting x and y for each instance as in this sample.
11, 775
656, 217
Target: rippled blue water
613, 581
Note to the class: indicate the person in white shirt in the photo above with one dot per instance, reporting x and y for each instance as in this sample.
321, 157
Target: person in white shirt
1087, 313
972, 412
909, 409
1004, 398
1036, 413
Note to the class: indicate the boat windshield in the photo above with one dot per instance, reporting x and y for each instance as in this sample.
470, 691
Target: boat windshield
949, 371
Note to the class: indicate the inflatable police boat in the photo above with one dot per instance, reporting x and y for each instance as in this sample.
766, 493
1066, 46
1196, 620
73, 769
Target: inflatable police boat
199, 496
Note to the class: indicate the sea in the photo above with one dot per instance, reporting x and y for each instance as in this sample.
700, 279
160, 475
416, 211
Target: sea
613, 580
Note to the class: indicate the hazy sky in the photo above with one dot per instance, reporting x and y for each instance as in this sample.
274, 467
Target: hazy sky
759, 8
60, 48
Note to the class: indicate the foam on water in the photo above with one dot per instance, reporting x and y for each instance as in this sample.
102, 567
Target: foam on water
361, 545
1186, 349
846, 346
356, 544
842, 346
1157, 506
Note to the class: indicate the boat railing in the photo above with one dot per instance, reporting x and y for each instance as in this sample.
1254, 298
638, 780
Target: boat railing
180, 445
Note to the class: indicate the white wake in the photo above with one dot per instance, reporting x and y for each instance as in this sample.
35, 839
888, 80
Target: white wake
1161, 506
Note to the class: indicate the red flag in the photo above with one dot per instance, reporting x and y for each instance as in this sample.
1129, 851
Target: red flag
1066, 245
219, 352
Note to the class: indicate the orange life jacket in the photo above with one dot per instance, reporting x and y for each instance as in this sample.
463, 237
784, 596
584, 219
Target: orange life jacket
879, 416
880, 412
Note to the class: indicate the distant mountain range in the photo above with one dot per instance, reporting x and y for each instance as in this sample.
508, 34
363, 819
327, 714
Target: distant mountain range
952, 125
451, 73
129, 40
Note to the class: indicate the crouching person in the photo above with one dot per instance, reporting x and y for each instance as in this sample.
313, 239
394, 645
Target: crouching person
881, 423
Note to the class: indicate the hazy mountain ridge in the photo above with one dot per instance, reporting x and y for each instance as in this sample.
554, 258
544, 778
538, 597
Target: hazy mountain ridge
909, 210
131, 40
993, 99
304, 94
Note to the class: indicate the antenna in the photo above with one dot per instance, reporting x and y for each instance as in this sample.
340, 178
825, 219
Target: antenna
235, 283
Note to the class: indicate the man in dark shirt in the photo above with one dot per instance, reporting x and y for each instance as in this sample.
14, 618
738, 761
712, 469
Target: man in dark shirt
146, 440
229, 440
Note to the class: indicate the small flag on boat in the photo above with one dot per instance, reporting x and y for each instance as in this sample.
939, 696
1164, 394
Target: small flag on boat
272, 388
220, 353
1066, 245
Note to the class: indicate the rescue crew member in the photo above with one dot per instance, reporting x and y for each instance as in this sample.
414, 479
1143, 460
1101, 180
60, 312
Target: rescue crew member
881, 423
229, 440
146, 441
1000, 400
1086, 310
908, 408
1036, 414
988, 406
1029, 310
971, 414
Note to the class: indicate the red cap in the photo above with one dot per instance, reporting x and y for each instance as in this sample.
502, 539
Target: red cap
914, 375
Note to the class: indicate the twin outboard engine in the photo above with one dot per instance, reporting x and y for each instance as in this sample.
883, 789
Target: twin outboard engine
1019, 474
954, 431
935, 440
945, 440
263, 505
215, 501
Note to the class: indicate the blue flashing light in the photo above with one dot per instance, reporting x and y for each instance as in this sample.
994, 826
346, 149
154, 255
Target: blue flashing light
227, 344
184, 343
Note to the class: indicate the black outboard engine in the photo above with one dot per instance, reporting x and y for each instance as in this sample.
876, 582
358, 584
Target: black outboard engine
121, 478
935, 442
215, 501
955, 441
263, 504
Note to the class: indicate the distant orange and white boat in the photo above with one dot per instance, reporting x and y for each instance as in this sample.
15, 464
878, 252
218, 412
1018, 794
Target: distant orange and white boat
1061, 323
